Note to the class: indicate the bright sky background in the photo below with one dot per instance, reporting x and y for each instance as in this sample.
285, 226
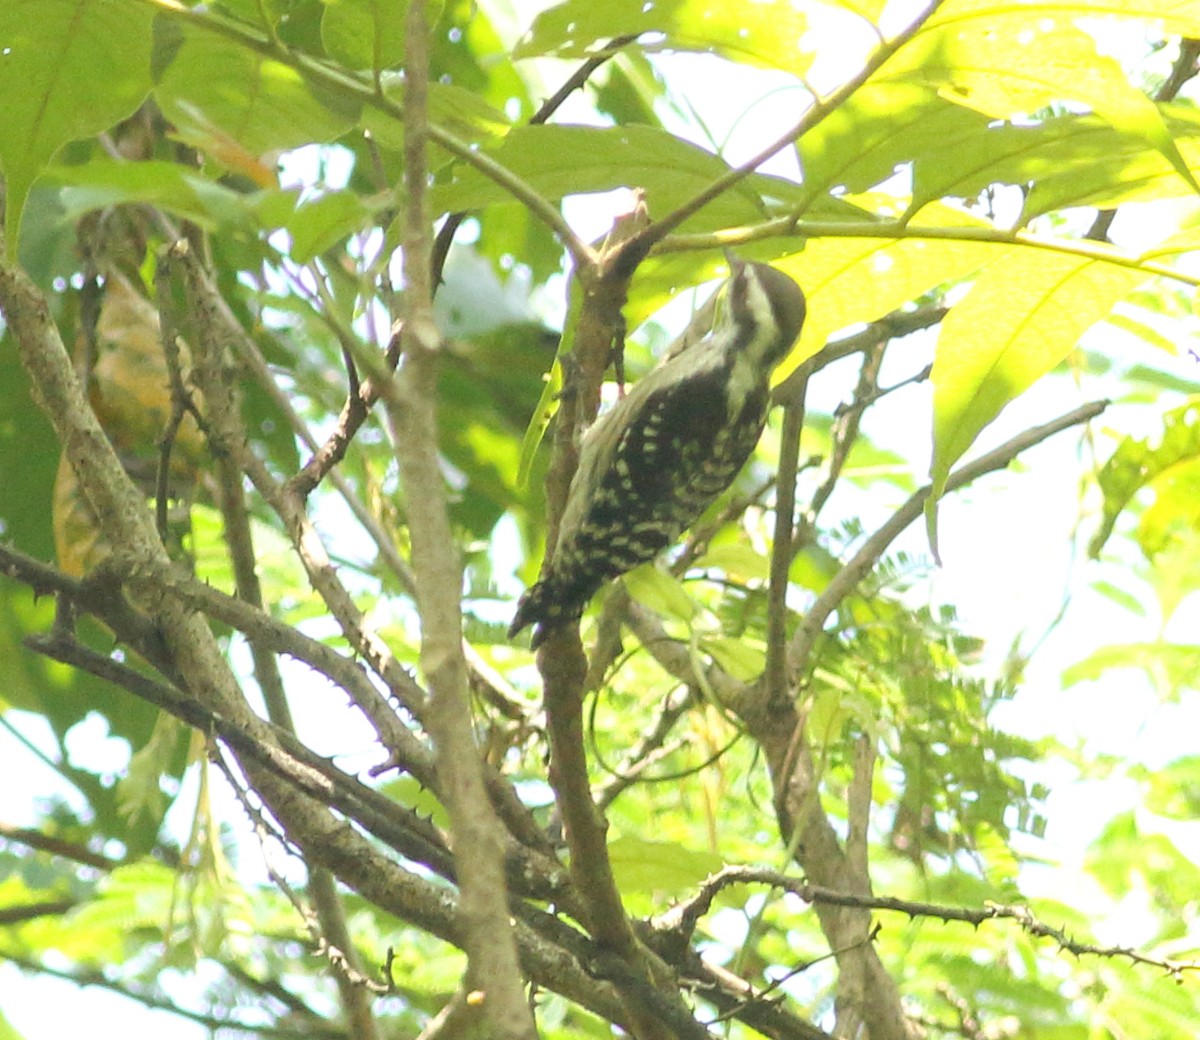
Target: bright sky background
1005, 544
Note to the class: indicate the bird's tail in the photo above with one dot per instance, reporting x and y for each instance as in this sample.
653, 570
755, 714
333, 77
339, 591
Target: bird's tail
544, 606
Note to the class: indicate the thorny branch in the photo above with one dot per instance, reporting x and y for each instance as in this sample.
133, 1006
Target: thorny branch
342, 959
684, 918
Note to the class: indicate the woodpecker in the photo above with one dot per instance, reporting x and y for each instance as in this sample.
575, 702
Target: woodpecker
649, 467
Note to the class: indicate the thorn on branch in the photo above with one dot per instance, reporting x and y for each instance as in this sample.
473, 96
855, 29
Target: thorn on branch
682, 919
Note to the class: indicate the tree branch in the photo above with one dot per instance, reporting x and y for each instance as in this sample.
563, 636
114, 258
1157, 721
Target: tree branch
847, 579
314, 1027
684, 917
820, 109
900, 230
493, 969
54, 846
781, 543
364, 92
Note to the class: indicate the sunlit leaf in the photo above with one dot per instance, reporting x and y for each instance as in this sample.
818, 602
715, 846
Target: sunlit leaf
557, 161
1177, 663
1013, 67
1094, 164
769, 33
242, 109
68, 68
104, 182
1175, 789
1170, 467
659, 866
1125, 600
1020, 319
655, 588
883, 126
836, 273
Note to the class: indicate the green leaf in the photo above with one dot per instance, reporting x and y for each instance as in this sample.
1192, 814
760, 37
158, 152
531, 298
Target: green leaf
133, 897
737, 559
410, 793
1176, 572
880, 127
1180, 18
659, 591
768, 34
1171, 468
1126, 858
659, 866
1069, 148
869, 10
1021, 318
1008, 67
813, 568
956, 151
631, 90
869, 462
1178, 664
68, 68
1084, 162
835, 271
455, 109
139, 791
364, 34
1138, 324
1175, 512
26, 477
547, 405
319, 224
106, 182
255, 11
240, 108
741, 658
661, 278
1175, 789
7, 1031
557, 161
1120, 597
1000, 864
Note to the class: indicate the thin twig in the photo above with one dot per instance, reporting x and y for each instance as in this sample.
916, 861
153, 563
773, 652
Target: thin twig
820, 109
342, 959
445, 236
846, 424
781, 544
847, 579
318, 1028
359, 89
646, 750
685, 916
55, 846
305, 771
